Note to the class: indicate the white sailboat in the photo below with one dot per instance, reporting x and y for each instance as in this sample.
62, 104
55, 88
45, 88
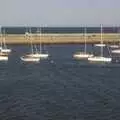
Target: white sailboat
100, 45
39, 53
100, 58
114, 45
31, 57
116, 51
84, 54
3, 47
3, 56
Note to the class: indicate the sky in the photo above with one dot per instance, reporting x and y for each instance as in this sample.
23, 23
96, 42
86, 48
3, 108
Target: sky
59, 13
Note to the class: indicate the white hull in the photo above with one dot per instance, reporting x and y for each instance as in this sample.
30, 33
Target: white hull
116, 51
38, 55
114, 46
30, 59
5, 50
100, 59
3, 58
82, 55
100, 45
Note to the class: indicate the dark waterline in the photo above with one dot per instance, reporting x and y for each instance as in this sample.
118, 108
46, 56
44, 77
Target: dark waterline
64, 89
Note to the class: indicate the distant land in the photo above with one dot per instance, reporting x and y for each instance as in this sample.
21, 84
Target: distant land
60, 30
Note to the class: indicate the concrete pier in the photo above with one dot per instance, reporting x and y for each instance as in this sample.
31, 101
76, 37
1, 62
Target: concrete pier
60, 38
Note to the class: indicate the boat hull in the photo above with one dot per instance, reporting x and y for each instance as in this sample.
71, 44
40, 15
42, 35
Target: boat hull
82, 56
100, 45
30, 59
114, 46
37, 55
3, 58
100, 59
6, 50
116, 51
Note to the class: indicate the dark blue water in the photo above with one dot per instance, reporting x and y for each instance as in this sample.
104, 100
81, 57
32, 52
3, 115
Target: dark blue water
60, 88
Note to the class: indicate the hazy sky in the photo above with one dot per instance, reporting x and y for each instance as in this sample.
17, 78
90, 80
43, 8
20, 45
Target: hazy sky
59, 12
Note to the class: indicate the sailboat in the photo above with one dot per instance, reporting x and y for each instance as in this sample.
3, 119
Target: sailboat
114, 45
3, 56
100, 58
116, 51
3, 47
31, 57
84, 54
39, 53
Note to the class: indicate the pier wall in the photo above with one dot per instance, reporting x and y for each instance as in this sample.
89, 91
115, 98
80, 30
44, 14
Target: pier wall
60, 38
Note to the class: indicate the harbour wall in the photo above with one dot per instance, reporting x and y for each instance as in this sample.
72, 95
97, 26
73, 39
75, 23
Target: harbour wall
60, 38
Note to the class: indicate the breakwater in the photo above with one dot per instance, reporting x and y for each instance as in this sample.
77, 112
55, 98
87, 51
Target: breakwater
61, 38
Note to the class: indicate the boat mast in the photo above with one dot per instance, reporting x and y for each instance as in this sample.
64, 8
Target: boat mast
85, 40
36, 48
36, 51
31, 42
101, 42
1, 36
40, 39
118, 34
4, 39
27, 35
